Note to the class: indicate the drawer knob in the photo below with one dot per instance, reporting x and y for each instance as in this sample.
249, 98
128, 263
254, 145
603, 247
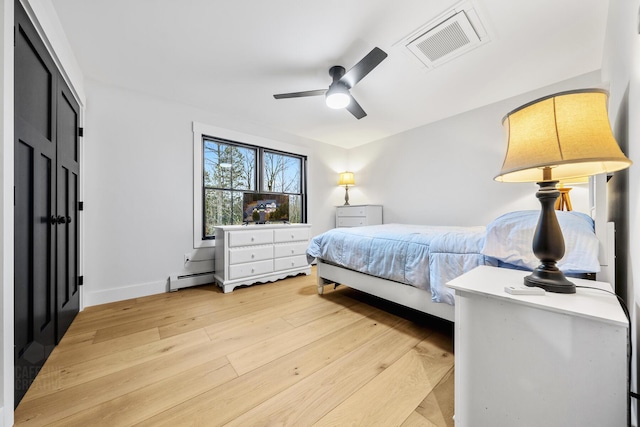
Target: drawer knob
292, 236
292, 251
253, 238
253, 270
253, 256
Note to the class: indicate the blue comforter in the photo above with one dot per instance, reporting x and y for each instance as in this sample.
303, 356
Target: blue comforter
426, 257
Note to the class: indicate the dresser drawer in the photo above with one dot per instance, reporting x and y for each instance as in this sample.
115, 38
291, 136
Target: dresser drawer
250, 254
290, 249
291, 235
250, 237
351, 221
290, 262
239, 271
351, 211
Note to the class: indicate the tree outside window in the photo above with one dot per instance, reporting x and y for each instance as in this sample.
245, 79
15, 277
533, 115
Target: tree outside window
229, 171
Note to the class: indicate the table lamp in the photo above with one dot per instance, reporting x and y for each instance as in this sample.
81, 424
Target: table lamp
561, 136
346, 179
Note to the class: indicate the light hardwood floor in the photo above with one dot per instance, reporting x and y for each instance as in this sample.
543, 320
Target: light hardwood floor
267, 355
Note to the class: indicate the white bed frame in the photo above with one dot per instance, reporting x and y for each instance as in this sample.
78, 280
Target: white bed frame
405, 295
420, 300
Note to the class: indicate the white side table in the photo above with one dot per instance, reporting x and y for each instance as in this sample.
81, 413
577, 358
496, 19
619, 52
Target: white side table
358, 215
550, 360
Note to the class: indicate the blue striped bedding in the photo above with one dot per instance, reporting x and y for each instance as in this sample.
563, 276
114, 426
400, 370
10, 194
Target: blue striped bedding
418, 255
427, 257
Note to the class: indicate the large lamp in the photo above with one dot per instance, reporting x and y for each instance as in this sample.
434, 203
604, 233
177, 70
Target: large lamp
346, 179
566, 135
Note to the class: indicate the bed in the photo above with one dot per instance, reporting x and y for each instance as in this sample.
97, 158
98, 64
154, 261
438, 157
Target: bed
411, 264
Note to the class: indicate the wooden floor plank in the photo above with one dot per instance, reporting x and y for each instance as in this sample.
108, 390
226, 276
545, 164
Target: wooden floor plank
309, 314
417, 420
204, 313
72, 342
247, 333
341, 358
310, 399
270, 349
227, 402
71, 375
159, 319
148, 401
136, 310
88, 352
392, 396
54, 406
269, 309
438, 406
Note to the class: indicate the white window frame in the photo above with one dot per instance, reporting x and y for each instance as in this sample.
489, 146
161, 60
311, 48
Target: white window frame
200, 130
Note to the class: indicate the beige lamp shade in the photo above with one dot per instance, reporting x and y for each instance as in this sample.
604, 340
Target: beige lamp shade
346, 178
567, 134
574, 181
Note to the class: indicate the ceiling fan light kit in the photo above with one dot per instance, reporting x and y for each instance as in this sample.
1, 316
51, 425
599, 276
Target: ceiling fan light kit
338, 95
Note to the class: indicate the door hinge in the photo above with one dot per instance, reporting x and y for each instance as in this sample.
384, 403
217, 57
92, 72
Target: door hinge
81, 132
80, 206
80, 280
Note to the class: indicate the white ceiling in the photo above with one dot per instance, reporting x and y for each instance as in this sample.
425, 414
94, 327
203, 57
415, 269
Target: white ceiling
230, 57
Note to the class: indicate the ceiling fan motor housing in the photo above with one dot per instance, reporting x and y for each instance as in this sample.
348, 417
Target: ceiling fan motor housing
336, 72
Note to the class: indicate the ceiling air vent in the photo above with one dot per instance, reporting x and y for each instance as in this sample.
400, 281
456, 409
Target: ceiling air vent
444, 41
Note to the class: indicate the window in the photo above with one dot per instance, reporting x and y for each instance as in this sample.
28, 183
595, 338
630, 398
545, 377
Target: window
236, 182
228, 171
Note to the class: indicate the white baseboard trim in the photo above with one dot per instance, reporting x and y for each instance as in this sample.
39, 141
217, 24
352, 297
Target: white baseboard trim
123, 293
176, 282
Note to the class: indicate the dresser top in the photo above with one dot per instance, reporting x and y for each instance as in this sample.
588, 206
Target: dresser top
260, 226
589, 303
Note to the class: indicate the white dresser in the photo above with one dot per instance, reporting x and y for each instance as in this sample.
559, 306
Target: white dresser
358, 215
537, 360
250, 254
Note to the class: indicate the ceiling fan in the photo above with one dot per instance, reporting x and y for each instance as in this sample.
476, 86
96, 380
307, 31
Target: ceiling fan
338, 95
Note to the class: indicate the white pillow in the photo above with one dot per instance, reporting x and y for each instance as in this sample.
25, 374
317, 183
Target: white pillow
510, 236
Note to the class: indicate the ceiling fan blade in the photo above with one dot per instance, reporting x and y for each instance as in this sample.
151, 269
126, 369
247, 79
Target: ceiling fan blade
364, 67
355, 108
300, 94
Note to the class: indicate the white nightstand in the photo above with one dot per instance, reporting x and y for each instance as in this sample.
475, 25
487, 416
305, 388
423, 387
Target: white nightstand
358, 215
548, 360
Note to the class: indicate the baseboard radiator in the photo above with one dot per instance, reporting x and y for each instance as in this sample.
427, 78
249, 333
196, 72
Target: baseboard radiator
192, 279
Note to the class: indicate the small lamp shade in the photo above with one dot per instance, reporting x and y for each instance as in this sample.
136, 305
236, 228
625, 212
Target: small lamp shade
568, 132
346, 178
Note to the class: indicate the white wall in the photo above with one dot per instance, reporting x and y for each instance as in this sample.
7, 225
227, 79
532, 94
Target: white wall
138, 175
621, 67
442, 173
